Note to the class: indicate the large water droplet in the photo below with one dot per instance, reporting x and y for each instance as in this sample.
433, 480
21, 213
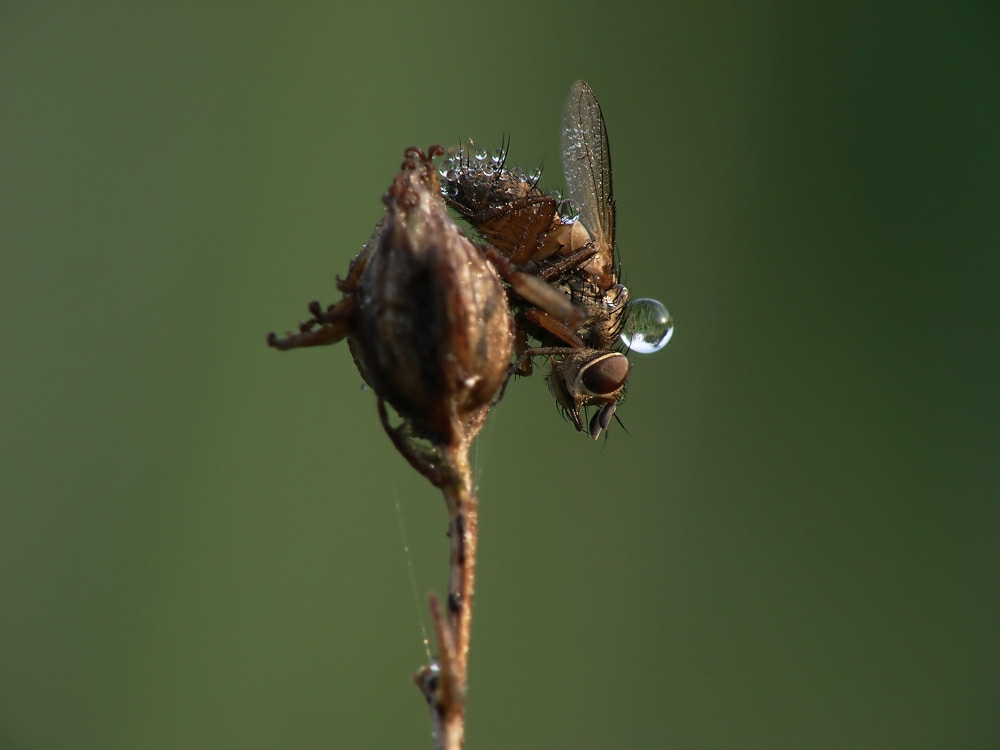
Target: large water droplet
569, 211
648, 326
480, 154
497, 156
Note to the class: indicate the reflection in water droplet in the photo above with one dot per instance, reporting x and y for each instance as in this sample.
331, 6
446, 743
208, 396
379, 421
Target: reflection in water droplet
451, 175
569, 211
480, 154
648, 326
488, 170
497, 156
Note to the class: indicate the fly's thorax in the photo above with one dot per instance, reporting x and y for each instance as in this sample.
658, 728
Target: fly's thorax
605, 311
603, 333
606, 332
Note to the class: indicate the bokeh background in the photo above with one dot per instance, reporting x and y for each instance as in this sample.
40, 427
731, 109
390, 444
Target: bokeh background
797, 544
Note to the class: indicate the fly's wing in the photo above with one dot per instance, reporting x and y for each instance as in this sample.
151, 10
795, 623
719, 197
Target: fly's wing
587, 166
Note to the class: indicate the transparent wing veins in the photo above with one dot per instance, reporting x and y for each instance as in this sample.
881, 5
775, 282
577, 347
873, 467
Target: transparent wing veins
587, 164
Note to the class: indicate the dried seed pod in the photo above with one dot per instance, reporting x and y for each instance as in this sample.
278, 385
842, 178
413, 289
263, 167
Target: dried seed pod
428, 324
433, 334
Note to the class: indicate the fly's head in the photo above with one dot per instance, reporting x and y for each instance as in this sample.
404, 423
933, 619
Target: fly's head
589, 377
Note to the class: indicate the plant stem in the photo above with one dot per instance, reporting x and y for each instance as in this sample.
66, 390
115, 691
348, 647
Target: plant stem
447, 467
463, 527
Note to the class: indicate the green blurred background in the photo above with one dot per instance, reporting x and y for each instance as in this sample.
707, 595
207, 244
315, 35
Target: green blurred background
797, 545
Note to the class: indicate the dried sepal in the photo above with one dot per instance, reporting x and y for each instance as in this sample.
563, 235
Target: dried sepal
427, 321
433, 335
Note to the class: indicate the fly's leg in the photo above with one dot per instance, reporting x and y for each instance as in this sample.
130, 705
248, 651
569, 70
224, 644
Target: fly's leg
325, 327
534, 290
539, 351
568, 263
520, 346
336, 323
522, 365
553, 325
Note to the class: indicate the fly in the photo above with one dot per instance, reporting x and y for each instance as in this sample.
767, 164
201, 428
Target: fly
558, 255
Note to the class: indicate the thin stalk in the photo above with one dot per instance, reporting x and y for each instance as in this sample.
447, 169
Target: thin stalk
443, 684
463, 529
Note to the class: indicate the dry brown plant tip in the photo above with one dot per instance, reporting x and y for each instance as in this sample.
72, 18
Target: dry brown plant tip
427, 322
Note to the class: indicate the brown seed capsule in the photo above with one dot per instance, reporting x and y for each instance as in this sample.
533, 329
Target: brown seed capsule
433, 335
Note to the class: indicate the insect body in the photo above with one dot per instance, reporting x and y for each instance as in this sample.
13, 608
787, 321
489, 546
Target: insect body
567, 243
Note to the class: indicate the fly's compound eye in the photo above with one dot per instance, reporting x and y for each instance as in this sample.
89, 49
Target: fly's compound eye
606, 376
